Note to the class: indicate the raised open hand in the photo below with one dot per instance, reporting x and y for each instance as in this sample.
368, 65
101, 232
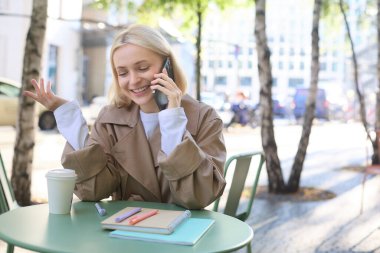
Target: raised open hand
45, 96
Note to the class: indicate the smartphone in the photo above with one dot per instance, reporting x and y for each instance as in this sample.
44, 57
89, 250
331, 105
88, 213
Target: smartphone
161, 99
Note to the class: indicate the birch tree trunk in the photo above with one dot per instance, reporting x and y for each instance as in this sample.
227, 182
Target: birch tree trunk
199, 48
275, 177
362, 106
25, 127
375, 157
295, 174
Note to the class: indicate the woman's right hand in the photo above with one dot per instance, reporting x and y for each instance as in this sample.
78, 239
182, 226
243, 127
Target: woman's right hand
45, 97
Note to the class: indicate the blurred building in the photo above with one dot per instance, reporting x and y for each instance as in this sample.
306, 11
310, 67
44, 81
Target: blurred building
78, 40
229, 53
61, 60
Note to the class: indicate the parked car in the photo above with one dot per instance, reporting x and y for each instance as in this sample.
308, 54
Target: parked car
220, 105
321, 104
278, 109
9, 93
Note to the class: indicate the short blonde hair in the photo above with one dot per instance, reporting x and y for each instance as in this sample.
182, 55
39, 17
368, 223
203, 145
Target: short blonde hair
146, 37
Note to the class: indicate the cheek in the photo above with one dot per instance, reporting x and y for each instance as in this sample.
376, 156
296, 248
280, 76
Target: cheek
122, 83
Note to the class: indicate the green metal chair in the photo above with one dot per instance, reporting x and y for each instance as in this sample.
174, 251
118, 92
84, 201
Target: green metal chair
7, 197
240, 174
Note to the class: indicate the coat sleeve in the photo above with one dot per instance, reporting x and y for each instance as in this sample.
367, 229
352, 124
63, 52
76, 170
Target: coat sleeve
92, 163
194, 169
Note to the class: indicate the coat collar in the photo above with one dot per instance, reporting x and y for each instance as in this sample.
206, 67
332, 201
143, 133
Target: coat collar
129, 115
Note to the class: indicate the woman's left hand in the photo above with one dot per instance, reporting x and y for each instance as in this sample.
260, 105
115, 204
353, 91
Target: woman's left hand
166, 85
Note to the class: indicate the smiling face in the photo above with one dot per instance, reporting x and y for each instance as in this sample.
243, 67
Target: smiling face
135, 67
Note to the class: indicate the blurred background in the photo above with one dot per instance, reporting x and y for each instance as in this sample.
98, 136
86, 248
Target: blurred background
79, 35
75, 58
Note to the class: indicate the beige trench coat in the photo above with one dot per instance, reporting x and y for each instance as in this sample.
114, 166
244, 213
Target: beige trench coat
119, 160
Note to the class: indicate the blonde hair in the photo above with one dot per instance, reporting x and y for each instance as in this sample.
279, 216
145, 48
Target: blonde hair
149, 38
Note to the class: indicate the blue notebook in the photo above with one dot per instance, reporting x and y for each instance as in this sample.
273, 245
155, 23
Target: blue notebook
187, 233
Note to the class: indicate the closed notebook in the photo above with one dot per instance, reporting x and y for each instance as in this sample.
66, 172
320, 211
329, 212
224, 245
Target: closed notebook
187, 233
164, 222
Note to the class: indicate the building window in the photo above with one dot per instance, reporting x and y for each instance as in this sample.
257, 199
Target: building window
204, 80
230, 64
250, 65
291, 51
291, 65
245, 81
280, 65
211, 64
302, 66
221, 80
295, 82
322, 66
52, 66
274, 82
334, 67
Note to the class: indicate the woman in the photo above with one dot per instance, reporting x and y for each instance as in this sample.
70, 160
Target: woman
135, 151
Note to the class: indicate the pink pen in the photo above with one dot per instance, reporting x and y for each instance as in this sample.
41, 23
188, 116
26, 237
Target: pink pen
141, 217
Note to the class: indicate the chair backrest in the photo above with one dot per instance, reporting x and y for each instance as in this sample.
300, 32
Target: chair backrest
242, 166
7, 198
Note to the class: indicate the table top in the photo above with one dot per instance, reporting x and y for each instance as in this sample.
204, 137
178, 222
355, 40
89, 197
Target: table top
35, 229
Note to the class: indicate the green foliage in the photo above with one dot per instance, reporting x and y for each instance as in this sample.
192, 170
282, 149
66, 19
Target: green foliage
182, 11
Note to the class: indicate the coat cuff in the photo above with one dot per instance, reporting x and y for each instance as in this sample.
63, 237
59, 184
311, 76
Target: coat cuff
183, 160
78, 161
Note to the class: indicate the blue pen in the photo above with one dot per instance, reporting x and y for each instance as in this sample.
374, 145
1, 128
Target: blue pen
127, 214
100, 209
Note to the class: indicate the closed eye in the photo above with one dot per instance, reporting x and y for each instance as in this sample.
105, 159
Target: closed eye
143, 69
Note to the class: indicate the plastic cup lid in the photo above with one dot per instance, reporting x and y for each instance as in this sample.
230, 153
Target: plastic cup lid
65, 173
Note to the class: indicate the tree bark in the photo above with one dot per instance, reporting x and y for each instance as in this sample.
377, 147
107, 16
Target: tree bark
295, 174
199, 48
25, 127
362, 106
275, 177
375, 157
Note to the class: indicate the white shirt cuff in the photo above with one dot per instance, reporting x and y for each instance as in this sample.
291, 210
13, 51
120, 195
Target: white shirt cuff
71, 124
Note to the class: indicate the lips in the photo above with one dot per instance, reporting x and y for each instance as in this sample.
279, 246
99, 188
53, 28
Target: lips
140, 90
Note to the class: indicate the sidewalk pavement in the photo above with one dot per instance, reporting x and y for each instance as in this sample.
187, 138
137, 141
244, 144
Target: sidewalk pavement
284, 225
334, 225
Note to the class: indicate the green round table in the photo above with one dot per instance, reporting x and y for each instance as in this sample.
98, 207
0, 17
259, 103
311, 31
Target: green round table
80, 231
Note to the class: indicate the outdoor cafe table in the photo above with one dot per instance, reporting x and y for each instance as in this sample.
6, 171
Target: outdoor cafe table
80, 231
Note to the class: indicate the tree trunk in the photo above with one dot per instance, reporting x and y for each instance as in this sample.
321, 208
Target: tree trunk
295, 174
275, 177
375, 157
199, 48
25, 127
356, 74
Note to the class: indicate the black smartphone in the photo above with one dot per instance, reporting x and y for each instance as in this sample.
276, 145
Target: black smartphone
161, 98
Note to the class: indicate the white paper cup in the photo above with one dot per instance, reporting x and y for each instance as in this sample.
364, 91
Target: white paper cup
60, 184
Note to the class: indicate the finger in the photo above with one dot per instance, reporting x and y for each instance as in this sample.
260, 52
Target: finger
163, 80
163, 76
42, 87
35, 85
30, 94
49, 91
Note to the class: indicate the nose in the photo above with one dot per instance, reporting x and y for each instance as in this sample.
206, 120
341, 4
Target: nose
133, 78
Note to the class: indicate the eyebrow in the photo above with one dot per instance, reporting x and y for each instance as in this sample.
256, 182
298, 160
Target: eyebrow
136, 63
